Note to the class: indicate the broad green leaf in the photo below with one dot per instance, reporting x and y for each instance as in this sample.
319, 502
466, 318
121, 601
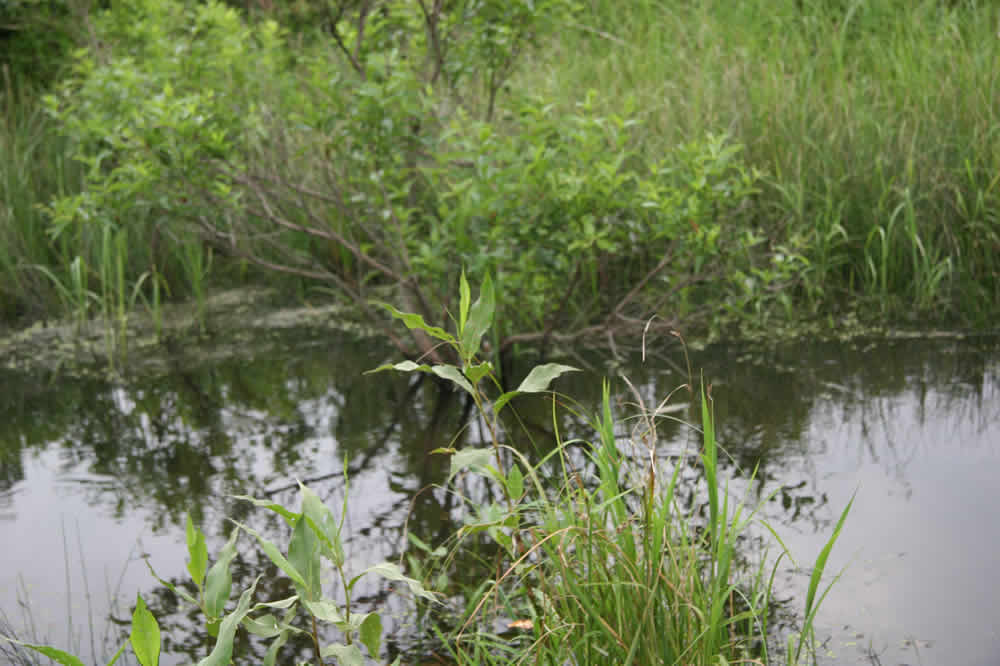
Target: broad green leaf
469, 458
325, 610
223, 650
197, 552
448, 372
413, 321
541, 376
322, 521
478, 371
64, 658
455, 375
349, 655
303, 554
265, 626
463, 303
289, 515
275, 556
219, 582
371, 633
391, 571
515, 482
480, 319
145, 636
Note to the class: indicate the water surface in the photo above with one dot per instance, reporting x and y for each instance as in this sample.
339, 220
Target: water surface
96, 476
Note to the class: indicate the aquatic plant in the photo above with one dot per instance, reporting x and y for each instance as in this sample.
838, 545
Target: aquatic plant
598, 558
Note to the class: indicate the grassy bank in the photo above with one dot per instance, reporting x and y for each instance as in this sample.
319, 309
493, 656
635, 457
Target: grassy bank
875, 125
716, 164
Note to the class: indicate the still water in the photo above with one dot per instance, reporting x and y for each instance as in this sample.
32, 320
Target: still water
96, 477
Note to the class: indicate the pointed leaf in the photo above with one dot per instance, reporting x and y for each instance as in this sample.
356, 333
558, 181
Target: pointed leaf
265, 626
503, 400
413, 321
476, 372
371, 634
541, 376
145, 636
223, 650
303, 554
463, 302
515, 482
325, 610
170, 586
323, 523
350, 655
480, 319
391, 571
289, 515
275, 556
452, 373
270, 659
219, 582
64, 658
197, 552
469, 458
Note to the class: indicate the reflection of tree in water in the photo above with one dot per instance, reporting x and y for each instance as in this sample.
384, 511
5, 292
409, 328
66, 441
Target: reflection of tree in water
185, 441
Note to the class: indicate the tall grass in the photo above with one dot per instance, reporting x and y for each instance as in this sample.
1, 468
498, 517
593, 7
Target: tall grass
876, 123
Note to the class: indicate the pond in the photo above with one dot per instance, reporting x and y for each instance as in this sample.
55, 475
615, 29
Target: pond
96, 476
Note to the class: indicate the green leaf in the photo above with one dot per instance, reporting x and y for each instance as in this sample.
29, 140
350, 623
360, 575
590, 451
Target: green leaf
325, 610
448, 372
170, 586
541, 376
480, 319
452, 373
219, 583
197, 552
464, 298
275, 556
469, 458
270, 659
265, 626
515, 482
392, 572
323, 523
145, 636
223, 650
55, 654
350, 655
289, 515
303, 554
476, 372
413, 321
371, 633
503, 400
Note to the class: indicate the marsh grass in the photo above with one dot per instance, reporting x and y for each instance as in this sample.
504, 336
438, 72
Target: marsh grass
875, 124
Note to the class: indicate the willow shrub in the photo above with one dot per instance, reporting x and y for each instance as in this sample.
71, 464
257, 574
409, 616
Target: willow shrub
390, 156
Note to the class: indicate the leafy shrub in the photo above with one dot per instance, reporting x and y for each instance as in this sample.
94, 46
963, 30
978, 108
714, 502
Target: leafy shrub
384, 159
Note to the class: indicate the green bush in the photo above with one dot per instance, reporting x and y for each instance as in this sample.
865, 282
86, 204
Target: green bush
382, 158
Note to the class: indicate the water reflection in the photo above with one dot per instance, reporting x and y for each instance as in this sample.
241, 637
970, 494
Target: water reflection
815, 421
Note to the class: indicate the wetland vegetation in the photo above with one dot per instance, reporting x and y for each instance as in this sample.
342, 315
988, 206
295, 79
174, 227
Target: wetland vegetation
616, 170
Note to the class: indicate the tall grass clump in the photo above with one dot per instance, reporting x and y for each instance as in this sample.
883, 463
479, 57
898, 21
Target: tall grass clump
875, 123
36, 167
604, 557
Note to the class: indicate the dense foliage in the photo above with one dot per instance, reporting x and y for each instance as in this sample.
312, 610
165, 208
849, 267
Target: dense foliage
723, 163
